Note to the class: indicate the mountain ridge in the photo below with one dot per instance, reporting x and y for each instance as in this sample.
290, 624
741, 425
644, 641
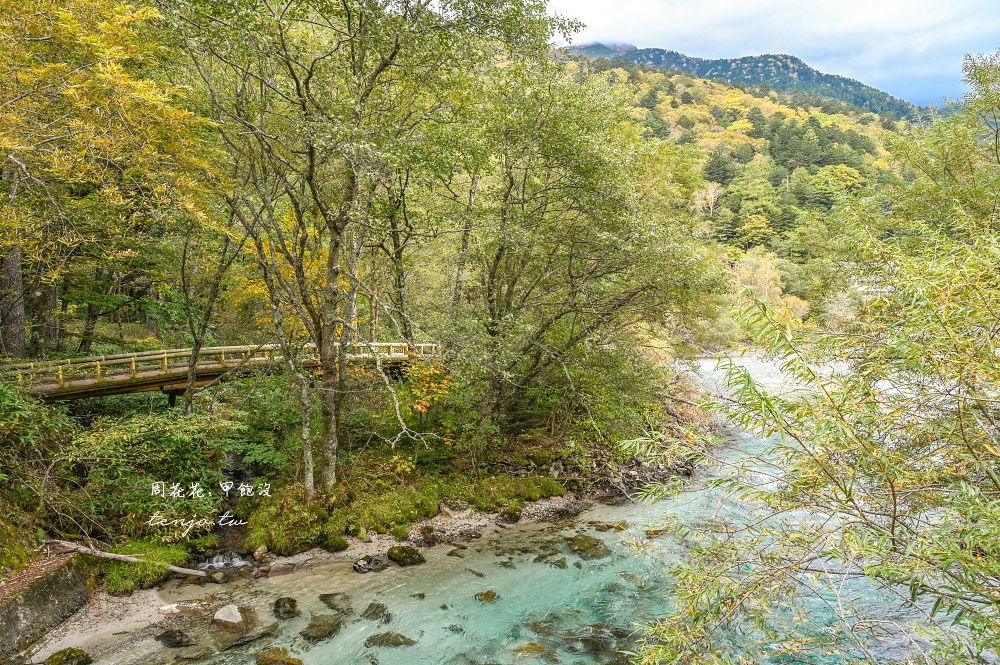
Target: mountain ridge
779, 71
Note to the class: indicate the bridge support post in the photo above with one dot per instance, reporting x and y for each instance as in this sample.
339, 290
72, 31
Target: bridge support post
172, 397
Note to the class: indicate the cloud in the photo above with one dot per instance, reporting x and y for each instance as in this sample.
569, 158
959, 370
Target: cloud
913, 49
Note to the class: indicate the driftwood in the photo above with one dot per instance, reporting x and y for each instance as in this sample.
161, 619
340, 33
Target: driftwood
73, 547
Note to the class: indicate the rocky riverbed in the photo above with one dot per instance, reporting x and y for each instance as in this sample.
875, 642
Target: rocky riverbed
181, 620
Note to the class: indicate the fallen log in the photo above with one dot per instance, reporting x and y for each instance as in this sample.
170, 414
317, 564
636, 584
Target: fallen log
73, 547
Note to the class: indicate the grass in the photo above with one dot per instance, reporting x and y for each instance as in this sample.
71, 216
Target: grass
123, 577
288, 525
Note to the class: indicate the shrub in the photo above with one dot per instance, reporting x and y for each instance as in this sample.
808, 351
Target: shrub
116, 463
287, 524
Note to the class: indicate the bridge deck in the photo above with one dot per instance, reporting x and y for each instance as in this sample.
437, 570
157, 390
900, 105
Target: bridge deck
168, 369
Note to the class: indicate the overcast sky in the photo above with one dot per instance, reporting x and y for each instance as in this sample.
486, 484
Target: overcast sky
912, 49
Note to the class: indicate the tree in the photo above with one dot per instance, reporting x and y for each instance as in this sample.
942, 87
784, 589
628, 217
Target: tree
319, 105
719, 168
575, 244
888, 472
96, 150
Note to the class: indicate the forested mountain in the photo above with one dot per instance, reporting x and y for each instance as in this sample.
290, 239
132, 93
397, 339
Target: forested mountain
778, 71
772, 174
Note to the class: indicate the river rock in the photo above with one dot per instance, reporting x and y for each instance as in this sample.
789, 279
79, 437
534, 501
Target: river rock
557, 563
230, 618
174, 639
377, 612
487, 597
254, 635
218, 577
454, 513
185, 609
388, 640
405, 556
277, 656
280, 569
338, 602
371, 563
258, 554
194, 653
535, 650
322, 626
286, 608
588, 547
69, 657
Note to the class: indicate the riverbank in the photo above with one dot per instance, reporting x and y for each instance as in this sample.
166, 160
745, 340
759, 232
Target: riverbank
108, 624
110, 627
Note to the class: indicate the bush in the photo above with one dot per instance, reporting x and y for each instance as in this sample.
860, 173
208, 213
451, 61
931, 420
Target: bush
334, 543
287, 524
116, 463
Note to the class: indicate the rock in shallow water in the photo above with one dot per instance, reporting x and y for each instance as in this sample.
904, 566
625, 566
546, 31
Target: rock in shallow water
69, 657
371, 563
405, 556
322, 626
338, 602
276, 656
230, 618
588, 547
286, 608
174, 639
389, 640
377, 612
487, 597
280, 569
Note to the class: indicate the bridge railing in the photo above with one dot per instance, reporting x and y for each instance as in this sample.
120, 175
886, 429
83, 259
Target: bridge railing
124, 366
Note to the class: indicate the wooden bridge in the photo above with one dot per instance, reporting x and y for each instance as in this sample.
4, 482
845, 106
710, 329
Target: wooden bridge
167, 370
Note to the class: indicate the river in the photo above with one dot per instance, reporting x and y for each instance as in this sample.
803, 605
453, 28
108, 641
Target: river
553, 599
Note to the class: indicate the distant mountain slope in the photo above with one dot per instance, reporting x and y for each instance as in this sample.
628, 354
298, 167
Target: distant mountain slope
780, 72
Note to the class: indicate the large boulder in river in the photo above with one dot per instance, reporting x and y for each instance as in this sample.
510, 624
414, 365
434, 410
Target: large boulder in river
588, 547
405, 556
286, 608
322, 626
230, 618
388, 640
338, 602
69, 657
371, 563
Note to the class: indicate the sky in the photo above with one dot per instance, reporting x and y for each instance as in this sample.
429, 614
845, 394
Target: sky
911, 49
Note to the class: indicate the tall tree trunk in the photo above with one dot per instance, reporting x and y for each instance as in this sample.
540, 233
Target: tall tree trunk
12, 318
305, 407
44, 314
51, 324
89, 325
200, 328
331, 359
399, 279
463, 253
